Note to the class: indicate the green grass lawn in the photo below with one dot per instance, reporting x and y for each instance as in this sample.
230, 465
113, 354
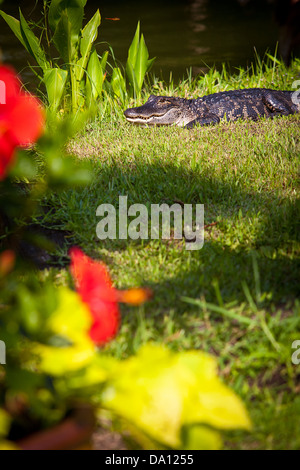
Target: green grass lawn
245, 279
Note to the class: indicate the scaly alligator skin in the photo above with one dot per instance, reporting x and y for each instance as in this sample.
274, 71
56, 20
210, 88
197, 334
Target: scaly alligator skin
251, 103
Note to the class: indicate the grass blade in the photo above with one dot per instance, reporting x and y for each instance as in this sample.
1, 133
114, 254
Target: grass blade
222, 311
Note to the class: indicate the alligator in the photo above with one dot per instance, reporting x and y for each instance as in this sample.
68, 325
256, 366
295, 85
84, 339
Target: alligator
251, 103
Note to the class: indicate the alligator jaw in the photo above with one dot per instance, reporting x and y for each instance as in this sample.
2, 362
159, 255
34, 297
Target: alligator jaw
159, 111
164, 119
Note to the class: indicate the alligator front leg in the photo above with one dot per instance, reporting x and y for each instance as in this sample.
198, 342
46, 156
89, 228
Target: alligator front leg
207, 120
276, 106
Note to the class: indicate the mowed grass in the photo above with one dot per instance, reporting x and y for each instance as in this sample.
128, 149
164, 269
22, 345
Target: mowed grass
236, 298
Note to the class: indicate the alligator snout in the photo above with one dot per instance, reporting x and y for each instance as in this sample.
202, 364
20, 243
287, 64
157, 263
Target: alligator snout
131, 113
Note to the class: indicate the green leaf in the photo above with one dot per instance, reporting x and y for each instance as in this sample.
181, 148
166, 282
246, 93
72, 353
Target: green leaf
138, 63
133, 49
141, 63
95, 77
55, 81
103, 61
118, 84
89, 35
74, 10
25, 166
14, 25
62, 38
132, 77
150, 63
62, 172
32, 44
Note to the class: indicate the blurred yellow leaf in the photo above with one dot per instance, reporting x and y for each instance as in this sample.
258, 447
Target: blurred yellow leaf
162, 393
201, 438
72, 321
8, 445
58, 361
72, 318
210, 401
4, 422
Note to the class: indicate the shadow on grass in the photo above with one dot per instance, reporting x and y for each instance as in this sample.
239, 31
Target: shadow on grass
247, 222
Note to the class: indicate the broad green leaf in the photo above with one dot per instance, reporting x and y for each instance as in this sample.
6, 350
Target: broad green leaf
164, 393
32, 44
95, 77
131, 61
133, 49
25, 166
118, 84
141, 63
132, 78
150, 63
89, 35
62, 38
55, 81
61, 170
74, 10
14, 25
137, 64
103, 61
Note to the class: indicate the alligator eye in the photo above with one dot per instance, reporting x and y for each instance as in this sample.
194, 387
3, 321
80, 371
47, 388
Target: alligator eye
163, 100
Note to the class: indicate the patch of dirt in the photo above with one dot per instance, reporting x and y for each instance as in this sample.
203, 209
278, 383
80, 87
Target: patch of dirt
106, 440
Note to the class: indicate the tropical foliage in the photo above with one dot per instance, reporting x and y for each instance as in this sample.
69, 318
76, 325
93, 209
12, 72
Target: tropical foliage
75, 79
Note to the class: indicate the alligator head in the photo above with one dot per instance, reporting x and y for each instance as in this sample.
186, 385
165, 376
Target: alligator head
161, 110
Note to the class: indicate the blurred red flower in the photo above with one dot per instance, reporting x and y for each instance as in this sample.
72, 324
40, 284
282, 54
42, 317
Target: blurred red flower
7, 261
21, 118
95, 288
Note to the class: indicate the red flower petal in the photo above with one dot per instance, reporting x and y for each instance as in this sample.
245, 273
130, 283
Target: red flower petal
103, 331
95, 289
21, 117
26, 120
10, 87
7, 261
